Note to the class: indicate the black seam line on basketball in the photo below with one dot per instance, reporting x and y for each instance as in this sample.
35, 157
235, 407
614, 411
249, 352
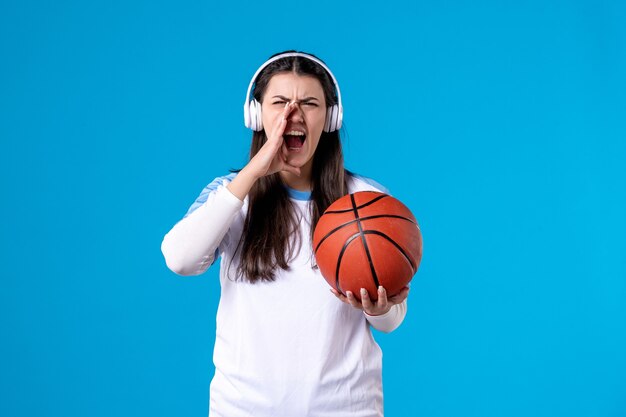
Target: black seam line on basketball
372, 201
378, 216
343, 249
376, 232
367, 249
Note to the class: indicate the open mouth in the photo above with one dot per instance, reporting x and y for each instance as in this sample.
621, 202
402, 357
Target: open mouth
294, 139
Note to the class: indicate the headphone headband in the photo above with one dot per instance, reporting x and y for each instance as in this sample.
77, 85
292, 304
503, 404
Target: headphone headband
336, 110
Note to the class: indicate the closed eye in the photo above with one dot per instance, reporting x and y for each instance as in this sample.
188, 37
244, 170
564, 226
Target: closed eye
307, 103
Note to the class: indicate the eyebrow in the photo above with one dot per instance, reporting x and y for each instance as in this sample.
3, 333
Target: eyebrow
304, 99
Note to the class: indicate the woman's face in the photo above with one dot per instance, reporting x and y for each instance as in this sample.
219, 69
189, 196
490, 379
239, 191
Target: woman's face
307, 117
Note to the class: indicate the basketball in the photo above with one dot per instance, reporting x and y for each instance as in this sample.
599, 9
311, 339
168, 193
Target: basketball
367, 239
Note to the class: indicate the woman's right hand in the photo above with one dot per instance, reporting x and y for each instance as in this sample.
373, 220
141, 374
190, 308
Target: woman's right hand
272, 156
269, 159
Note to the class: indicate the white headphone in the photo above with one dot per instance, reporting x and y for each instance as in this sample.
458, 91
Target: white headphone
252, 108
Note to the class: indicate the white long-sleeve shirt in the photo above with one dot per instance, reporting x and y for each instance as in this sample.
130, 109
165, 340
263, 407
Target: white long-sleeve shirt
287, 347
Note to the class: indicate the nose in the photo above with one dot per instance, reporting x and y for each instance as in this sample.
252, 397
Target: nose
296, 114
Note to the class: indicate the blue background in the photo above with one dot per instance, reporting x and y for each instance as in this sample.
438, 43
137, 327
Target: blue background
501, 125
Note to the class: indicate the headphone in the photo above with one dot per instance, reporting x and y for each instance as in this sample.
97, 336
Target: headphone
252, 108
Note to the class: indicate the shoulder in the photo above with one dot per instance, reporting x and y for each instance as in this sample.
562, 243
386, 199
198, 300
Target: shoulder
357, 182
217, 182
210, 188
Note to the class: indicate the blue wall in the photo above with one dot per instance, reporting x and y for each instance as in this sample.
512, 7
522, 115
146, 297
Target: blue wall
501, 125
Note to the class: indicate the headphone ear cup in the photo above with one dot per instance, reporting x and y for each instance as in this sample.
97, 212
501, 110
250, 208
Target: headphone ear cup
252, 115
329, 112
339, 117
246, 114
332, 119
259, 116
255, 116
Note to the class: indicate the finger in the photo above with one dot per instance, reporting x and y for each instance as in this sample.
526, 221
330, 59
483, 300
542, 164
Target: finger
276, 136
365, 299
286, 110
284, 117
353, 301
383, 302
291, 168
339, 295
400, 297
291, 106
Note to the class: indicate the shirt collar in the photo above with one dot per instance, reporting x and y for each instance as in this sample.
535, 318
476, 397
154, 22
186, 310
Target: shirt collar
298, 195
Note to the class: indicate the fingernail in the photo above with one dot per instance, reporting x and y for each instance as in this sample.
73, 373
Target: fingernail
363, 291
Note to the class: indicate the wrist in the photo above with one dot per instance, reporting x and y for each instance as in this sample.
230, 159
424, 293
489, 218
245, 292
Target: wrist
378, 313
249, 174
242, 183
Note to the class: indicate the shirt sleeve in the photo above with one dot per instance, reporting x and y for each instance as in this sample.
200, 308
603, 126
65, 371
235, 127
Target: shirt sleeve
389, 321
190, 247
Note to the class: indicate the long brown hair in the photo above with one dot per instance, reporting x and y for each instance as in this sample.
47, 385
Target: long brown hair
270, 237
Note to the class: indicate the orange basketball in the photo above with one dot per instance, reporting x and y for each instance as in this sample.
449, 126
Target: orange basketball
367, 239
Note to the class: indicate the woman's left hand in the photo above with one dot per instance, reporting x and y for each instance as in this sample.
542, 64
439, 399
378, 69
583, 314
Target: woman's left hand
377, 308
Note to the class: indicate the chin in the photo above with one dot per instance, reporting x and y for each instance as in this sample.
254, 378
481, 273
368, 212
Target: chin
298, 161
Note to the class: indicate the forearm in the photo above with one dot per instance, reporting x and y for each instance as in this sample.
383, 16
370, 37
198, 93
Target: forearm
241, 185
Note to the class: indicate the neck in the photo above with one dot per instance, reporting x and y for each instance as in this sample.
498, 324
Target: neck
300, 183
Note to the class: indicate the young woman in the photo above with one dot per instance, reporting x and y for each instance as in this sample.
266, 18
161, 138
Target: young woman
286, 345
